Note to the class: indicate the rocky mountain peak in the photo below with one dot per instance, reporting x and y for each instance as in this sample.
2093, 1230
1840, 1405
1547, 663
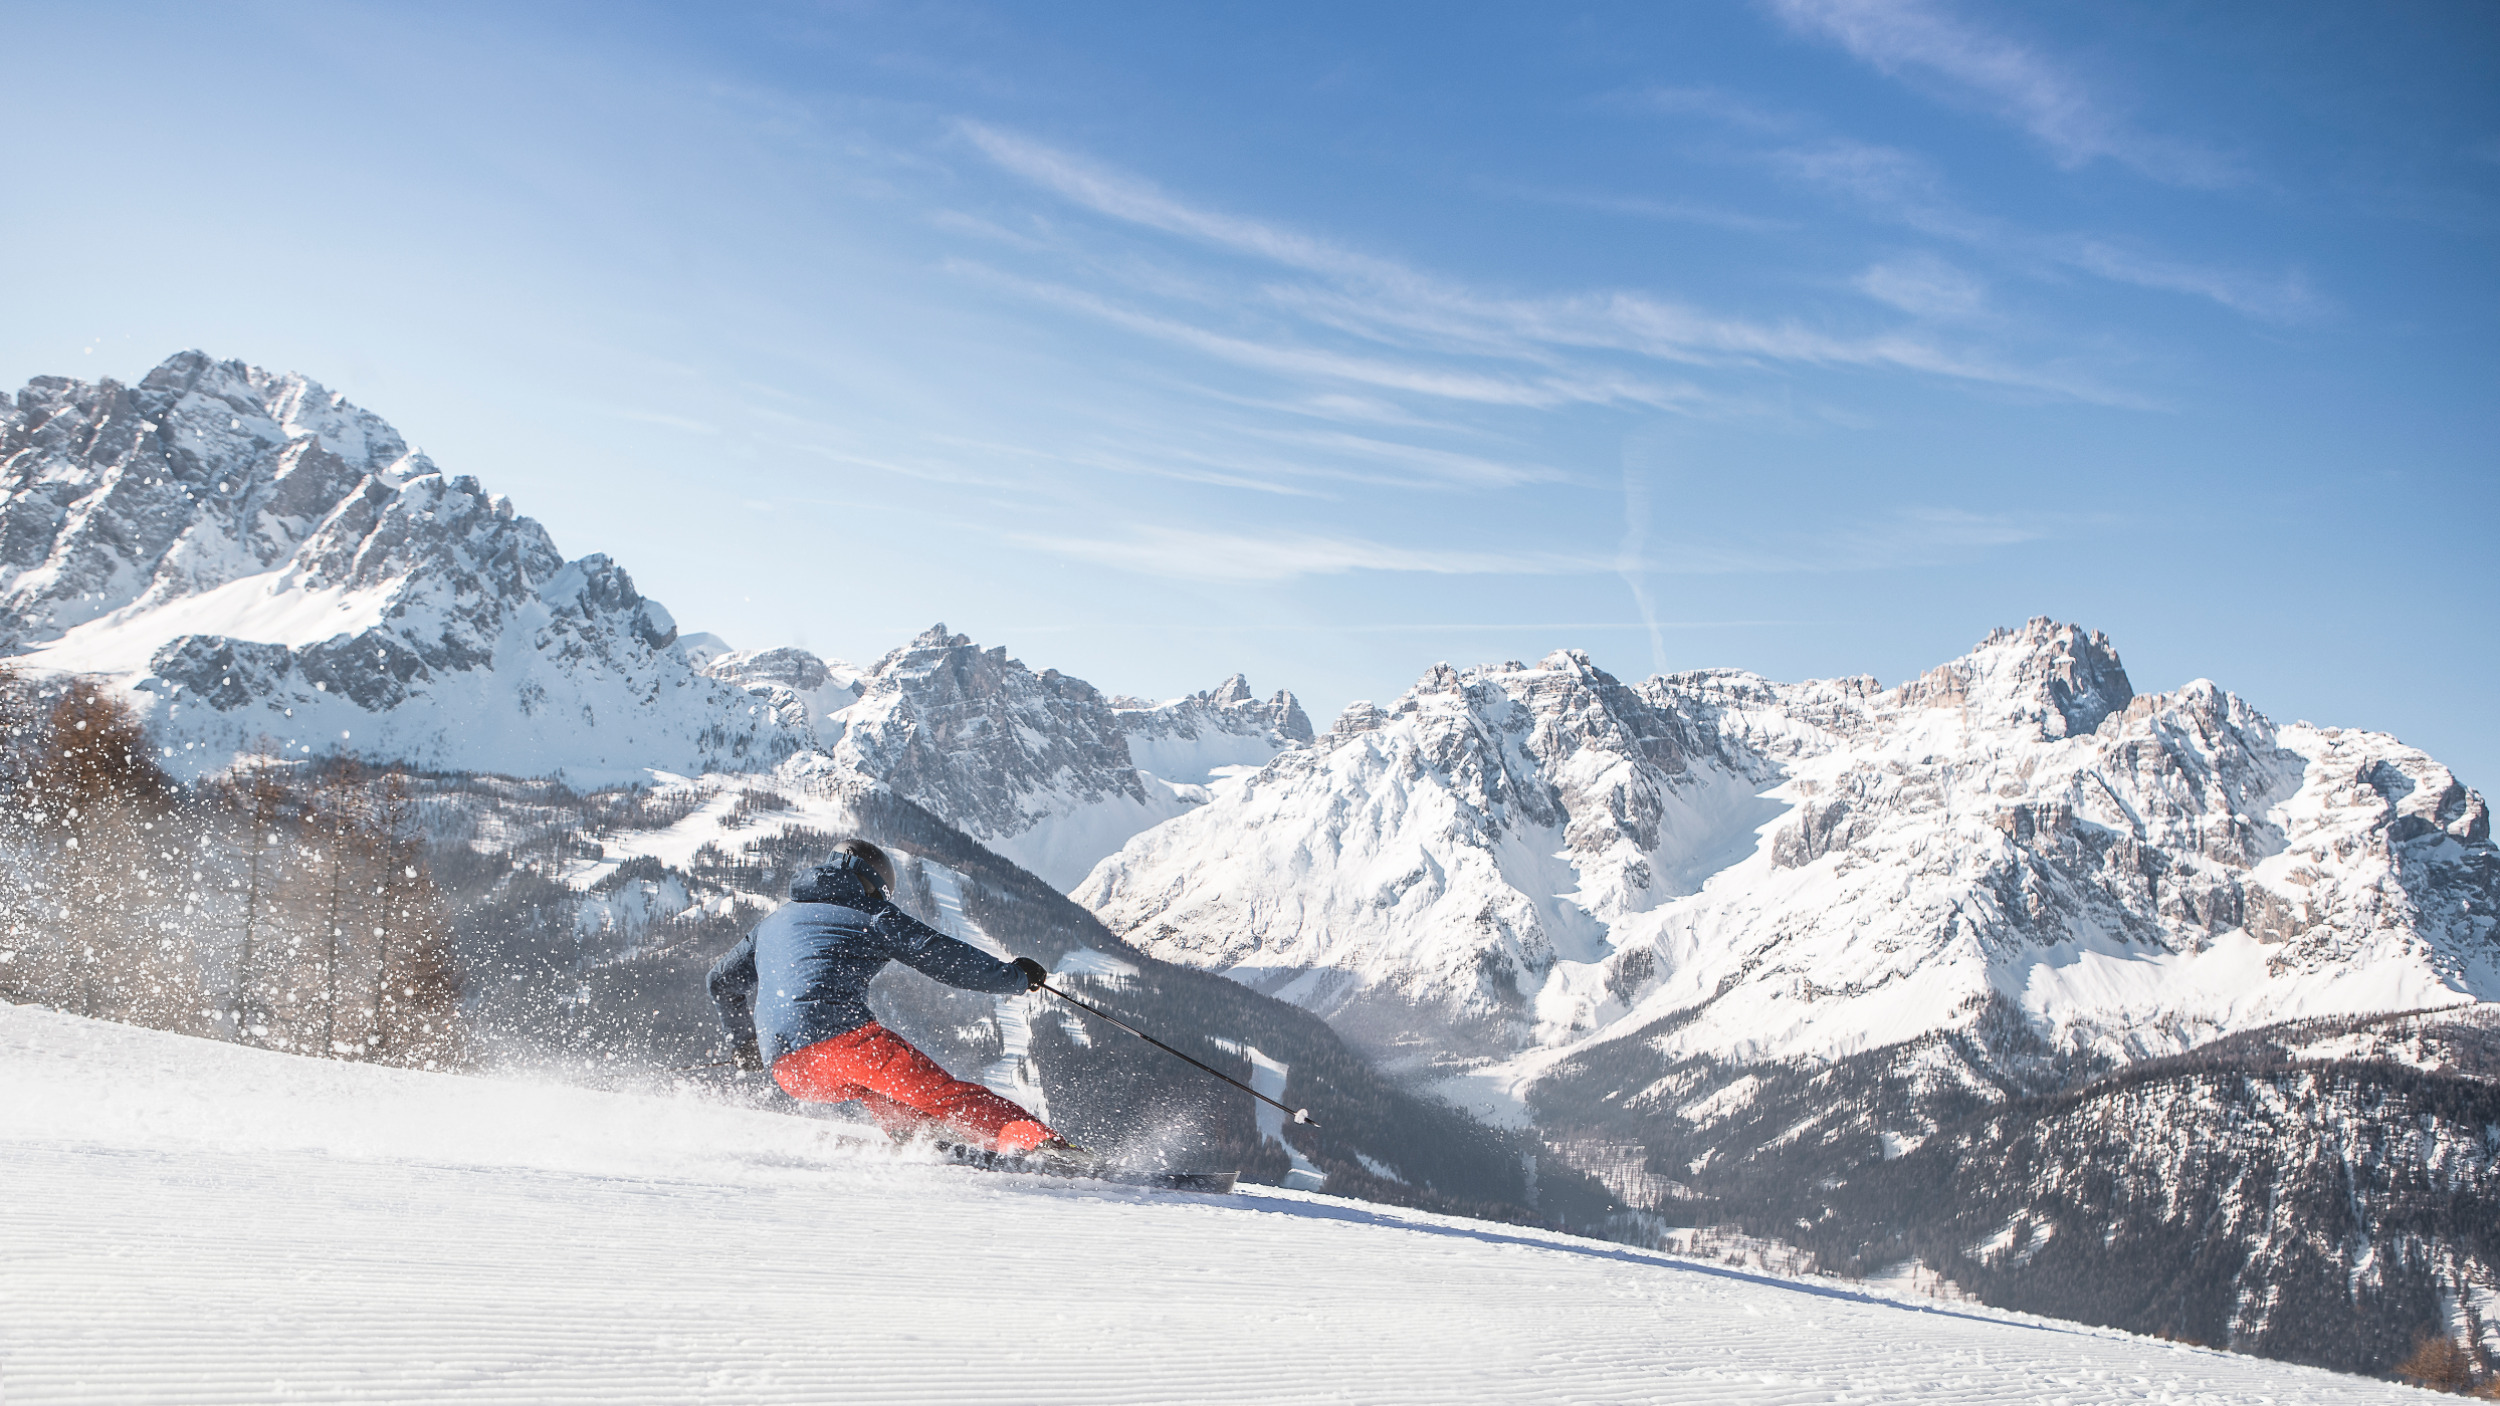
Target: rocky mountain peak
2015, 843
253, 555
207, 471
794, 669
936, 637
1360, 716
2046, 679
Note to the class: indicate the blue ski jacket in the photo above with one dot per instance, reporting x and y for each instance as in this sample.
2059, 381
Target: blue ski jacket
802, 975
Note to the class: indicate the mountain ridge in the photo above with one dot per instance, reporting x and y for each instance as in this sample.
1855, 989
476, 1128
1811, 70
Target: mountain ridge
262, 566
1522, 858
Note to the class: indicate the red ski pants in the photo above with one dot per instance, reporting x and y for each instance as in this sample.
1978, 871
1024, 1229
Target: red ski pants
904, 1089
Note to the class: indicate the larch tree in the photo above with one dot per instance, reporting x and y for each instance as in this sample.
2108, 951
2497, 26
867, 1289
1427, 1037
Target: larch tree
103, 802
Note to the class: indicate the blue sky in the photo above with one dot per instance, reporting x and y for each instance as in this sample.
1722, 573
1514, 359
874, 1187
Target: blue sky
1324, 342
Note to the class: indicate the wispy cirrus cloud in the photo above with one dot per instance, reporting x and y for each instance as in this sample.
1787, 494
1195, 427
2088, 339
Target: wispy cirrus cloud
1909, 536
1435, 337
1127, 197
1323, 363
1923, 285
2283, 298
1716, 104
1677, 212
1897, 185
1905, 189
1921, 41
1183, 554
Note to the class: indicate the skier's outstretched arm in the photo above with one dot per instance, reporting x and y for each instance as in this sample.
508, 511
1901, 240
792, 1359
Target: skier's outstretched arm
932, 953
732, 984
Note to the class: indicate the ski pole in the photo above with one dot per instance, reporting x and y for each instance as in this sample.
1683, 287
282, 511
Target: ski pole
715, 1064
1300, 1115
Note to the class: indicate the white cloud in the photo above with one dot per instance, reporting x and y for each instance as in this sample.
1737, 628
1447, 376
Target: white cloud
1321, 363
1127, 197
1490, 350
1904, 537
1679, 212
1428, 464
1895, 184
2284, 299
670, 422
1923, 285
1183, 554
1917, 38
1716, 104
1901, 187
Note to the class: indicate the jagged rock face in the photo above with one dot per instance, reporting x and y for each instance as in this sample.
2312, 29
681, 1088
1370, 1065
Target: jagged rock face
258, 559
202, 473
2046, 679
1420, 871
1037, 765
794, 688
1520, 859
1191, 740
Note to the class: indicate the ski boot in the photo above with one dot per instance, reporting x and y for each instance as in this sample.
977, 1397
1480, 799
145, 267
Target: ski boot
1058, 1157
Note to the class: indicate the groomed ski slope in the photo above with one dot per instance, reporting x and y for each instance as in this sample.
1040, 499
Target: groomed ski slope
182, 1221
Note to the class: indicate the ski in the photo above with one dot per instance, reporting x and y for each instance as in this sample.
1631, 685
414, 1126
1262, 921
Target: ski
1203, 1183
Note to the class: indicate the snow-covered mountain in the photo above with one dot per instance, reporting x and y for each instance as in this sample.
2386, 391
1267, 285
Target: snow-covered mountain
1527, 859
1042, 767
258, 562
1197, 739
256, 558
797, 689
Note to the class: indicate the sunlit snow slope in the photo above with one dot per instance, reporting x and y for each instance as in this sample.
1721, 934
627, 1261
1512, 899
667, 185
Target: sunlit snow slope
192, 1222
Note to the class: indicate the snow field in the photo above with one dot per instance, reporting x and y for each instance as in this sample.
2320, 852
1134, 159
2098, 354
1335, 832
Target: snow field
191, 1222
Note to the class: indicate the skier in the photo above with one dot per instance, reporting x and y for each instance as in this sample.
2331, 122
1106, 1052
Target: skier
793, 996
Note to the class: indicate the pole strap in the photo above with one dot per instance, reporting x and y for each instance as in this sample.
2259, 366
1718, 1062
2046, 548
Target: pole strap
1300, 1115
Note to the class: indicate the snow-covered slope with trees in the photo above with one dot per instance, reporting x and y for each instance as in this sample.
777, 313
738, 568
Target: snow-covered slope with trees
2326, 1191
189, 1221
1520, 858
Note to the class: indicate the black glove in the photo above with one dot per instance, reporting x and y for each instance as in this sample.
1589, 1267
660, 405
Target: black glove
1034, 973
750, 1059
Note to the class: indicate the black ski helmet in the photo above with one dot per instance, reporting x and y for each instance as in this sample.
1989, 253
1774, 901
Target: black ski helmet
857, 856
